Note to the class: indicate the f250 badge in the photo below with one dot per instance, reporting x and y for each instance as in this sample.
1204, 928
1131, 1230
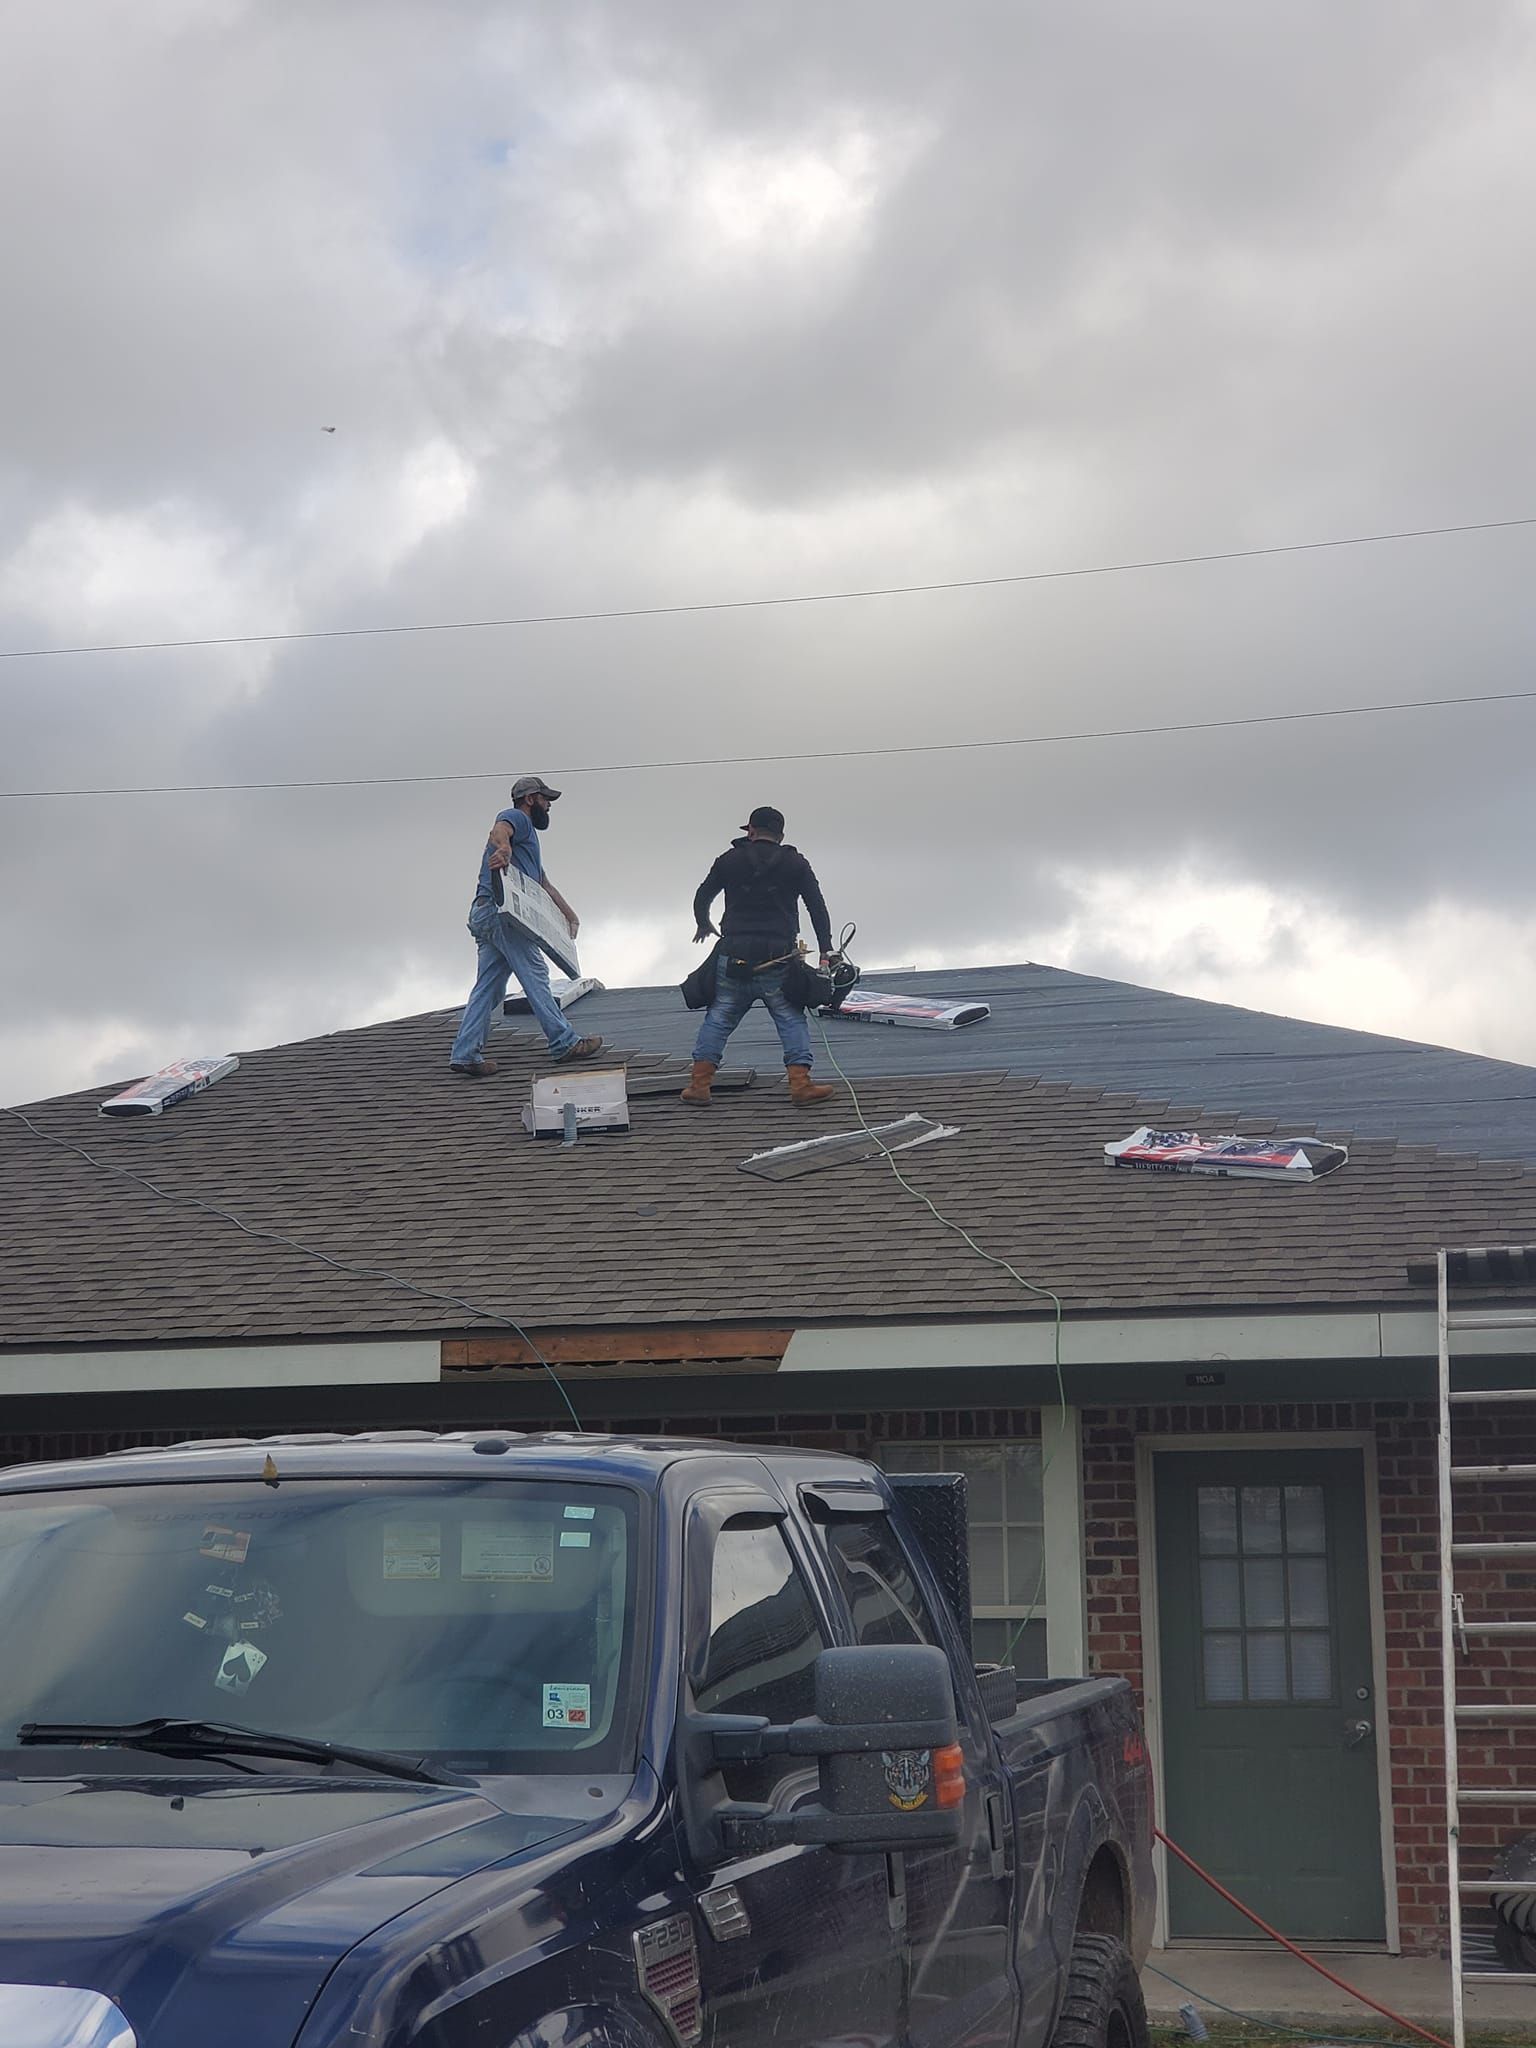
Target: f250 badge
908, 1775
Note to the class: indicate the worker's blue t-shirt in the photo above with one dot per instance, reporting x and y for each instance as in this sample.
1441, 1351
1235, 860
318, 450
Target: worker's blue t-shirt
524, 853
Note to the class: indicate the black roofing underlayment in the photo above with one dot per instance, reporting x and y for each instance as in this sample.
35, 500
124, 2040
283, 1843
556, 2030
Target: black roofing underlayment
1060, 1026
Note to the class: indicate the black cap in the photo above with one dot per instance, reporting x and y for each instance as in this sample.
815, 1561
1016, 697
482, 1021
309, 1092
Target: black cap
766, 819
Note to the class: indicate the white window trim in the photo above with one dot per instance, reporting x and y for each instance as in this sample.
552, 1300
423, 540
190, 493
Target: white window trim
1036, 1613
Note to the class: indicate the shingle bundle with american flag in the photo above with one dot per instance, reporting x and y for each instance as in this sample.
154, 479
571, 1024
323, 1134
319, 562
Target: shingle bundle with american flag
1227, 1157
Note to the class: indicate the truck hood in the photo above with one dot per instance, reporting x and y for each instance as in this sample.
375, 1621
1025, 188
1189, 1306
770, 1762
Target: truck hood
214, 1909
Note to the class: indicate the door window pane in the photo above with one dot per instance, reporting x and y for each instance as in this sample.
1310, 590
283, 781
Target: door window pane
1261, 1519
1264, 1592
1221, 1603
1218, 1519
1306, 1526
1265, 1604
1309, 1591
1311, 1665
1266, 1665
1224, 1669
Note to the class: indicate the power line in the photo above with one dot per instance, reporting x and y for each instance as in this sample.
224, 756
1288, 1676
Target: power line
1034, 739
745, 604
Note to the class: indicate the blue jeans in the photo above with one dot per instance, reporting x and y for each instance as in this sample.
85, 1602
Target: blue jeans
505, 952
734, 996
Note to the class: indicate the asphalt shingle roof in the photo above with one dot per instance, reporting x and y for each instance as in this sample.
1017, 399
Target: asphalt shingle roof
1110, 1034
363, 1145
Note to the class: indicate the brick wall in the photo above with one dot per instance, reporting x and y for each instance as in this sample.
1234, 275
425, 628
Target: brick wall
1405, 1446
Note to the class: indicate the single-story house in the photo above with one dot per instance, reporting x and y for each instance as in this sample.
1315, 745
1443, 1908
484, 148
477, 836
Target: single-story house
1216, 1475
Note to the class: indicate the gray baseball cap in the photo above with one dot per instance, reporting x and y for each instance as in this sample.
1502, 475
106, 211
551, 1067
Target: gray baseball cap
533, 785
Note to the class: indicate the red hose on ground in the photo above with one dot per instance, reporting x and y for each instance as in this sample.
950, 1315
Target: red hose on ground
1300, 1954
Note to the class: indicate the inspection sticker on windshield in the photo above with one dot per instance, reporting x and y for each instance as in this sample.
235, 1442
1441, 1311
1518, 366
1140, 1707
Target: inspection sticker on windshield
580, 1514
567, 1706
507, 1550
575, 1539
413, 1550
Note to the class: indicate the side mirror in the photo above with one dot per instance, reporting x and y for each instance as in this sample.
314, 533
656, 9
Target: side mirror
900, 1780
892, 1776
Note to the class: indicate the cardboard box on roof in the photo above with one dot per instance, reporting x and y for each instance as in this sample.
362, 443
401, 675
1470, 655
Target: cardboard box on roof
599, 1096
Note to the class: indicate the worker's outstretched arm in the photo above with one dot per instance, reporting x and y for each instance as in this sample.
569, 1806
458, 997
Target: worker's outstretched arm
816, 905
500, 843
703, 904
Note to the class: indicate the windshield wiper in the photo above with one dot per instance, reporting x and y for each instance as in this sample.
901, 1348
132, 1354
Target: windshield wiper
211, 1738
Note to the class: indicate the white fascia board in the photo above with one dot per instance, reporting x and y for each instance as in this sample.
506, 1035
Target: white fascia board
1139, 1340
218, 1367
1412, 1333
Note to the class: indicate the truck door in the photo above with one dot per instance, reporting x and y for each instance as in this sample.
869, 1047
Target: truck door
961, 1991
796, 1946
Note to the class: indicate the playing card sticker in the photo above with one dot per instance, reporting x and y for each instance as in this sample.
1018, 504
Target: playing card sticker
413, 1550
241, 1663
230, 1546
517, 1551
567, 1706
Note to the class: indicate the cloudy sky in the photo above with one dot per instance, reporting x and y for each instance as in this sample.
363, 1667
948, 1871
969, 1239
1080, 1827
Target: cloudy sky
662, 302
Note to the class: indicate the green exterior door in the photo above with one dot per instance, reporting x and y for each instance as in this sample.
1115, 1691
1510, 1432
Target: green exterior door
1268, 1692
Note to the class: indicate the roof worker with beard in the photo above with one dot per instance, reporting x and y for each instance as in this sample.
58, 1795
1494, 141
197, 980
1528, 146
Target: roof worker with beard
765, 882
504, 951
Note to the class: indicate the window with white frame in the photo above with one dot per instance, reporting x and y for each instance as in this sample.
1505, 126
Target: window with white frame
1007, 1523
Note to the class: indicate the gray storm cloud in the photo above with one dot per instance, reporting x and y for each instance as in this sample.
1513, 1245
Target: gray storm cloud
623, 306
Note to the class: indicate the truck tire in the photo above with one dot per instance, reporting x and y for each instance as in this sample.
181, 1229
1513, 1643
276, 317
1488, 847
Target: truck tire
1103, 2007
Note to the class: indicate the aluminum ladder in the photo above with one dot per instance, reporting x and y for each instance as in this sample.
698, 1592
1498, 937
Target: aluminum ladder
1459, 1629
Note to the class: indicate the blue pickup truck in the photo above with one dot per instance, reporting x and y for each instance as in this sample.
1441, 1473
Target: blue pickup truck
492, 1741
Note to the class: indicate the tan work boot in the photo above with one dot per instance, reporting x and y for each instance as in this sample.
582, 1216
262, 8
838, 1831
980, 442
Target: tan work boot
697, 1091
583, 1049
803, 1090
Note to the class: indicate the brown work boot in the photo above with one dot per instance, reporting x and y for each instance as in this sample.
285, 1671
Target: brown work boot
697, 1091
476, 1069
803, 1090
583, 1049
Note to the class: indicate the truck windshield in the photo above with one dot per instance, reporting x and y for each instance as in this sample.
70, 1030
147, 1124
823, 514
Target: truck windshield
489, 1625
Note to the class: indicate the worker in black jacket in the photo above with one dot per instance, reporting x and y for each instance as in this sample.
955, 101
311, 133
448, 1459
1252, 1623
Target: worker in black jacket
765, 882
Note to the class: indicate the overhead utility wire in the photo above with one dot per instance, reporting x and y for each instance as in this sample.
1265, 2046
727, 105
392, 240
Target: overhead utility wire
1033, 739
747, 604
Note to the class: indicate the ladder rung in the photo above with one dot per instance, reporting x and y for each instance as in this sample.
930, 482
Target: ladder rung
1497, 1628
1498, 1710
1501, 1795
1480, 1886
1491, 1319
1498, 1976
1493, 1471
1464, 1398
1493, 1550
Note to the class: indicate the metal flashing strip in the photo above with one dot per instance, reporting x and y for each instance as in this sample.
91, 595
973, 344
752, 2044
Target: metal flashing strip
846, 1148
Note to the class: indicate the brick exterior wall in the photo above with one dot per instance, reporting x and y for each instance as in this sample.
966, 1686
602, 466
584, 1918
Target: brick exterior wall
1405, 1450
1404, 1436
